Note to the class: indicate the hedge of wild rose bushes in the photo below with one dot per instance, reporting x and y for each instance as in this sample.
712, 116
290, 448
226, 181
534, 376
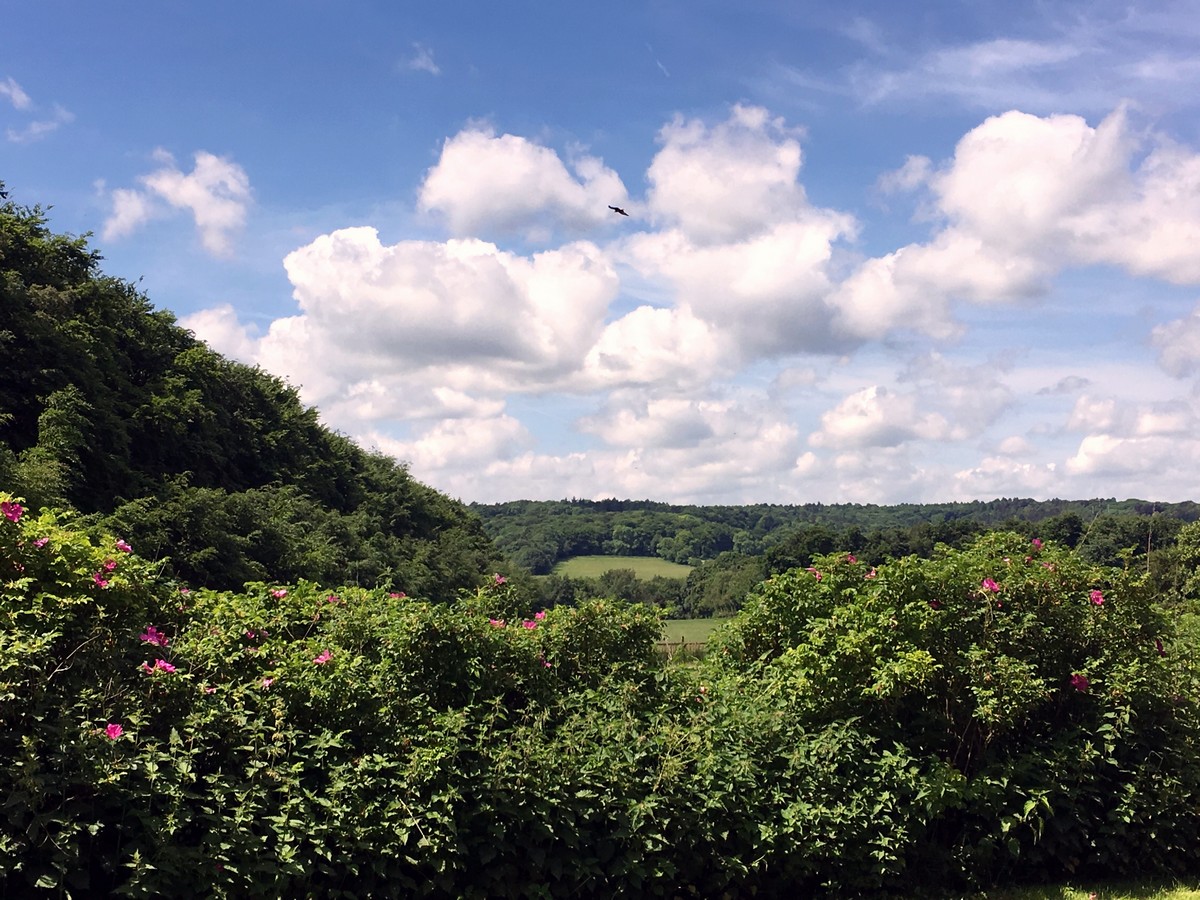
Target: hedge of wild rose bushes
1002, 710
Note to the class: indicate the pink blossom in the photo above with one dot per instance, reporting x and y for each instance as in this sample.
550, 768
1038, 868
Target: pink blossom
185, 590
153, 636
124, 547
325, 657
499, 579
870, 574
41, 542
1080, 682
851, 558
249, 635
1097, 598
546, 663
160, 665
528, 624
267, 682
397, 595
113, 731
279, 593
496, 623
815, 574
12, 511
210, 690
100, 580
1037, 543
989, 585
540, 616
109, 565
333, 598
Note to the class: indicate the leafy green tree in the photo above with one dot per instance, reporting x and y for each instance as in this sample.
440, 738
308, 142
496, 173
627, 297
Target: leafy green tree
109, 407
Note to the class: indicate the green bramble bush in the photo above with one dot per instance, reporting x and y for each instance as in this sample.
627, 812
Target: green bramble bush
1049, 690
921, 726
283, 740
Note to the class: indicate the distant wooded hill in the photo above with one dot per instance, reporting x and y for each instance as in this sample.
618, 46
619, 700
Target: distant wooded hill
538, 534
109, 408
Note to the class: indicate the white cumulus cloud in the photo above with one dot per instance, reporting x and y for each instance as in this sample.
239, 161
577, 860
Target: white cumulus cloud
216, 193
485, 183
730, 340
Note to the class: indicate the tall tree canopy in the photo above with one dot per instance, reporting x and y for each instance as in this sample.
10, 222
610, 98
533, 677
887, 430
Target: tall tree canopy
110, 408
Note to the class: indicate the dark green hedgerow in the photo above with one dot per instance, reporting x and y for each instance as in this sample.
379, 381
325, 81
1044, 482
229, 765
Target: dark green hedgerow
956, 719
1053, 690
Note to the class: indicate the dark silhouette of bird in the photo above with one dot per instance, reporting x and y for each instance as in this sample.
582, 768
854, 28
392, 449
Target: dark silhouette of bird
618, 210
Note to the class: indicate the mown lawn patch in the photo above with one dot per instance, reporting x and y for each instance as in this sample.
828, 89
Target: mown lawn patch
1137, 891
689, 631
645, 567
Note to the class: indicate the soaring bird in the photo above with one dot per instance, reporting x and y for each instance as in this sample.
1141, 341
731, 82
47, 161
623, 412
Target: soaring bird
618, 210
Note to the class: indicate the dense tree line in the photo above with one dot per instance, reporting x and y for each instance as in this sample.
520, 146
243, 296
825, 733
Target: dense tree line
718, 586
110, 408
538, 534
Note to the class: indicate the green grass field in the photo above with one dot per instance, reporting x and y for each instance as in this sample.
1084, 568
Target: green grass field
689, 631
1100, 892
645, 567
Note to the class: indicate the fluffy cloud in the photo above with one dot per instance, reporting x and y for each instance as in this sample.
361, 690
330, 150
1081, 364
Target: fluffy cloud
220, 329
914, 173
740, 247
1023, 198
16, 96
877, 417
1058, 188
972, 397
767, 292
726, 182
695, 352
1106, 456
216, 193
459, 443
39, 128
422, 60
876, 475
485, 183
1133, 445
420, 303
998, 476
427, 330
670, 348
1178, 344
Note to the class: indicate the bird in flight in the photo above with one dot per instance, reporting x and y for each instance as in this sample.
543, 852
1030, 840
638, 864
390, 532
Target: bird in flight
618, 210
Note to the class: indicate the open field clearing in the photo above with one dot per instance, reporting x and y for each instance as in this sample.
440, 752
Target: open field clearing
689, 631
1099, 892
645, 567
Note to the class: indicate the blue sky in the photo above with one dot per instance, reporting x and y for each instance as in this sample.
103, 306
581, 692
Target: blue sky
876, 252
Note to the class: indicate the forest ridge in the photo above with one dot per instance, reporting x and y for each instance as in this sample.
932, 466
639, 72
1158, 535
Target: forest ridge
538, 534
110, 408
